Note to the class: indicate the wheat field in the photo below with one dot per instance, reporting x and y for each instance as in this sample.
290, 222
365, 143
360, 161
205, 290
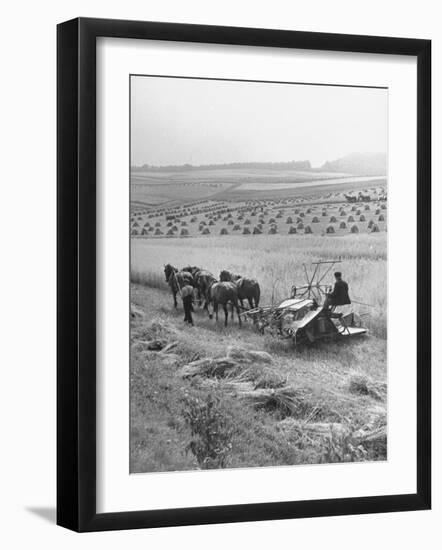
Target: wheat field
277, 264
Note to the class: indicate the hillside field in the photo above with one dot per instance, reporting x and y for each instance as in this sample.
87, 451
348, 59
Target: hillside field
213, 397
175, 187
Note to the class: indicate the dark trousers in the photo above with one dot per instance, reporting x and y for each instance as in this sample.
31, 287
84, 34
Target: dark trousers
187, 305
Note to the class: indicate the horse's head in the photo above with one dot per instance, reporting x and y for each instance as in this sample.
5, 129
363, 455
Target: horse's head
168, 270
225, 275
192, 269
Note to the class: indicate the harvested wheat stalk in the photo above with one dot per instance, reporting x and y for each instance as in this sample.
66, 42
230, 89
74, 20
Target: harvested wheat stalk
371, 436
293, 428
152, 345
270, 379
217, 368
240, 365
242, 355
231, 387
287, 400
363, 385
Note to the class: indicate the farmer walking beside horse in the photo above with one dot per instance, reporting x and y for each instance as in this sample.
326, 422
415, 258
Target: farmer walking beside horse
187, 297
176, 280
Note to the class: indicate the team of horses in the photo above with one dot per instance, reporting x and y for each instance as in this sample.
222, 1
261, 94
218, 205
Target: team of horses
357, 198
361, 197
210, 293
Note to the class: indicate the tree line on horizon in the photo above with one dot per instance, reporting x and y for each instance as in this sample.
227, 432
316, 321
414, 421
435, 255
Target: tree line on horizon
369, 164
298, 165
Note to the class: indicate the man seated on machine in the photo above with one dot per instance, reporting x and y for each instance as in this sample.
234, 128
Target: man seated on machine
339, 295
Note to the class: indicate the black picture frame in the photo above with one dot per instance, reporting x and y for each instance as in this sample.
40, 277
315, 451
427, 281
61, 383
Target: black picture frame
76, 273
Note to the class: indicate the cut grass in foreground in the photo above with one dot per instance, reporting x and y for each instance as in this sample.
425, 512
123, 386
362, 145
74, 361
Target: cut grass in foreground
321, 405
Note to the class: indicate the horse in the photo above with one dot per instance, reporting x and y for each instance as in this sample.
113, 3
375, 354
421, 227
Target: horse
203, 281
350, 198
194, 271
228, 276
248, 289
363, 197
224, 292
176, 280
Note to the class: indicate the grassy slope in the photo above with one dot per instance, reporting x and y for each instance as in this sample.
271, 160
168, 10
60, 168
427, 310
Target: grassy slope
324, 374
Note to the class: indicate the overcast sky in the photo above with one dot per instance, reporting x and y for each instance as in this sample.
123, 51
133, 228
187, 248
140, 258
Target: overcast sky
178, 121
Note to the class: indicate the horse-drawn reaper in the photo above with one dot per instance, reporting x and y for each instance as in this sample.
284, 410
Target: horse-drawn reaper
307, 316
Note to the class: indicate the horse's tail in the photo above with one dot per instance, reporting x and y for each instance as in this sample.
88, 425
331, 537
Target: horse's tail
235, 301
257, 295
209, 298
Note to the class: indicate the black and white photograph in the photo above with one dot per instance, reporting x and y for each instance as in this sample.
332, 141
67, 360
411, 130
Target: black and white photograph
258, 273
219, 322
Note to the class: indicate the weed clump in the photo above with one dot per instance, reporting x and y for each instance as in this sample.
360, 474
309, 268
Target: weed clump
211, 430
362, 385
